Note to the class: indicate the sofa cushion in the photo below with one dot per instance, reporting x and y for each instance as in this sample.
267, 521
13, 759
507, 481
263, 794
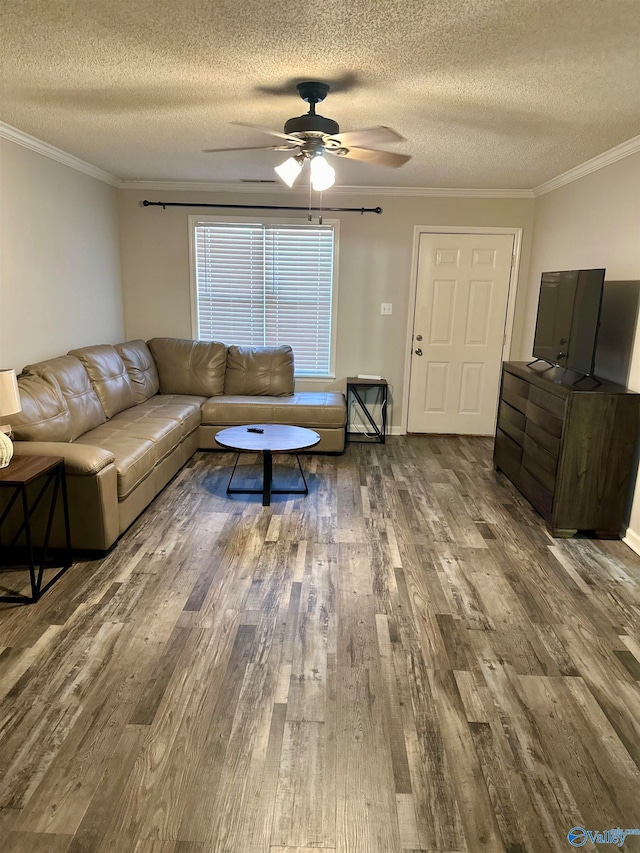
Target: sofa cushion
261, 371
45, 415
308, 409
141, 369
164, 432
162, 428
189, 367
73, 380
182, 407
135, 456
108, 376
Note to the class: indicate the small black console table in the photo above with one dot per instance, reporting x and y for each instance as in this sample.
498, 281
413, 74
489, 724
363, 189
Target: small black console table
356, 392
46, 473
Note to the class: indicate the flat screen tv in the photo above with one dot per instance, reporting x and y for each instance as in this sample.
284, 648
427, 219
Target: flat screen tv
568, 319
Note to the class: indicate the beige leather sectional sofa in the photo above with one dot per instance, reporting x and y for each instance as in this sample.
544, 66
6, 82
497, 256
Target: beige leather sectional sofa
127, 417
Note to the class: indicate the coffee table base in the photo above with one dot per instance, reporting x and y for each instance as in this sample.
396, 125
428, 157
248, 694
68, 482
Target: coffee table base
267, 478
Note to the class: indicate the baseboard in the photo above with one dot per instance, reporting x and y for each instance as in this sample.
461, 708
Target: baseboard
391, 430
632, 539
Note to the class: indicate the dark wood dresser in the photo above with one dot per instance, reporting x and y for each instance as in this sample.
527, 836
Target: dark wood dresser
567, 447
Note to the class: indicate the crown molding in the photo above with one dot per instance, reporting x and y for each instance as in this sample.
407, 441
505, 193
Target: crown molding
418, 192
625, 149
441, 192
53, 153
204, 186
619, 152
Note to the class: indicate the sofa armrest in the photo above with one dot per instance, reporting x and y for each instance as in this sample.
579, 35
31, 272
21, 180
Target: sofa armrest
79, 458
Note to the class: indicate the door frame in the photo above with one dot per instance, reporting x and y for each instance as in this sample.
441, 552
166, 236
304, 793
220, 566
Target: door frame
418, 231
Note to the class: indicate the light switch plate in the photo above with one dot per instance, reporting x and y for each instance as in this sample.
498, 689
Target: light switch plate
386, 308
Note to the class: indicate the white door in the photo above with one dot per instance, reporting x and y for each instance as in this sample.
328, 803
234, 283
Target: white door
458, 332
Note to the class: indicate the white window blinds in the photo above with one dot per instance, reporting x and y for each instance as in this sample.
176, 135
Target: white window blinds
265, 285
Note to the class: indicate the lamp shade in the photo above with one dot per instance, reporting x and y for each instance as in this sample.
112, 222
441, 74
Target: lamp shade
289, 170
323, 175
9, 394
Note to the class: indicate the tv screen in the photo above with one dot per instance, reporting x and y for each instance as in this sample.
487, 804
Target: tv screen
568, 318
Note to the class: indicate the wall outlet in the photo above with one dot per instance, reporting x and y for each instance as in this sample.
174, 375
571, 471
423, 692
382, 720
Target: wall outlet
386, 308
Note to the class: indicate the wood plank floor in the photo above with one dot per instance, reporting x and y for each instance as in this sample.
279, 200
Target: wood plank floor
404, 660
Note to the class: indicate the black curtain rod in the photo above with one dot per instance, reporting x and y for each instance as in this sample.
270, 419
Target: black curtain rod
165, 204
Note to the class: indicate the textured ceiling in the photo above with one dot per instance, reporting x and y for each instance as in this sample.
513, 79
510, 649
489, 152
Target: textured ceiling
488, 93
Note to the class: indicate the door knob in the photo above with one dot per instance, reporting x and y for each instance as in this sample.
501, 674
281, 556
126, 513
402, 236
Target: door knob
418, 337
418, 352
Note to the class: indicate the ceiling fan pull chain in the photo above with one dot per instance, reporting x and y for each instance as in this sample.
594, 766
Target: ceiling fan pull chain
320, 214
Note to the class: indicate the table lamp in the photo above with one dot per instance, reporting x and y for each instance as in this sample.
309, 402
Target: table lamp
9, 405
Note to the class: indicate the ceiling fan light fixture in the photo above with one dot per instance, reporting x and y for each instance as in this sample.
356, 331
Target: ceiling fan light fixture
323, 175
312, 135
289, 170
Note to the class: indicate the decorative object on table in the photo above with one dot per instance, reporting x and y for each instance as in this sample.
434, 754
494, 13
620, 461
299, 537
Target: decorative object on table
9, 405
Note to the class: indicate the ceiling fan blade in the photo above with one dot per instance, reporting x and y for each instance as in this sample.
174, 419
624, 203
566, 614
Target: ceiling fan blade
376, 158
368, 136
252, 148
261, 129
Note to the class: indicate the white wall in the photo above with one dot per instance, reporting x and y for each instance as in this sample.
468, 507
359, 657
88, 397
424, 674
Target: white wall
60, 280
374, 266
589, 223
595, 222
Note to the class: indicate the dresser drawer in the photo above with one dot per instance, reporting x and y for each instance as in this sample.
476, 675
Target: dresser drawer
507, 455
515, 391
543, 476
536, 494
539, 455
549, 402
512, 422
544, 419
544, 439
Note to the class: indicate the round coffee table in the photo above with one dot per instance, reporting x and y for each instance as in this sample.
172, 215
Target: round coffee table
267, 439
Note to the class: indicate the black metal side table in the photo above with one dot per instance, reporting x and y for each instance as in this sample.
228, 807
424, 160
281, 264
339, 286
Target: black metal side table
19, 475
356, 389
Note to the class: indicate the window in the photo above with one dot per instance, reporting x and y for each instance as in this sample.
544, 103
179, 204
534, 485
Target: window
261, 284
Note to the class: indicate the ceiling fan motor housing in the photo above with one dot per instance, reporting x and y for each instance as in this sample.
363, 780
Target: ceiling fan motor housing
312, 91
312, 124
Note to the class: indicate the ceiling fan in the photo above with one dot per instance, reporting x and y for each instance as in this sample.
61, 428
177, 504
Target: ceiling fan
310, 136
